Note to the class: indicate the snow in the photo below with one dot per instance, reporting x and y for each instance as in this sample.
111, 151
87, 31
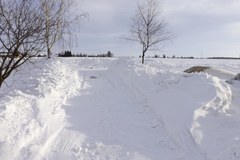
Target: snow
119, 109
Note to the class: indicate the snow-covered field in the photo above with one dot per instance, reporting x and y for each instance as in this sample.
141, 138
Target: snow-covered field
119, 109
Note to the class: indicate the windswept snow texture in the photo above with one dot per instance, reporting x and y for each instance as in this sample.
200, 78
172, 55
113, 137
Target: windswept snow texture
119, 109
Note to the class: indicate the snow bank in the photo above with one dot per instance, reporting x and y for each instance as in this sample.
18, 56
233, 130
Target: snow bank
31, 113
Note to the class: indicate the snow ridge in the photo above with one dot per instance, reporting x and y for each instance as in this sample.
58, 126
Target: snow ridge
219, 104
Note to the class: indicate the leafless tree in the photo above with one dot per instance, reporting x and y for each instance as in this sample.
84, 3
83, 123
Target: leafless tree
148, 28
21, 34
59, 17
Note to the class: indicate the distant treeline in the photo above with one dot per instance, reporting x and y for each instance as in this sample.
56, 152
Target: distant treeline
164, 56
70, 54
223, 58
191, 57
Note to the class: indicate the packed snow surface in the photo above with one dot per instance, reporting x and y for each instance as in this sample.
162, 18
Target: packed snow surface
119, 109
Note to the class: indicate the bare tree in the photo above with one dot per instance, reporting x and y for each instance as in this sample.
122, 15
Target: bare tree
59, 17
148, 28
21, 34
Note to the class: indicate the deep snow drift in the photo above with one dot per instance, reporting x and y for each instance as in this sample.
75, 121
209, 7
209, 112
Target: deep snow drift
119, 109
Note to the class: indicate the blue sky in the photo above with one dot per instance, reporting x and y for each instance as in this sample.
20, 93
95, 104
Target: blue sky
207, 27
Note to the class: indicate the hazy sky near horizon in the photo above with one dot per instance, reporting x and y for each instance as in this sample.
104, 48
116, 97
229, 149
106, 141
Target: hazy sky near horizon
207, 27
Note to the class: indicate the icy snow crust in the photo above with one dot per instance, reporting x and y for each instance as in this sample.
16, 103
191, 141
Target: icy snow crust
119, 109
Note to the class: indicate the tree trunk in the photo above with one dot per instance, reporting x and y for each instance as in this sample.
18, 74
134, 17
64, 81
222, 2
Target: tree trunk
143, 55
49, 52
1, 82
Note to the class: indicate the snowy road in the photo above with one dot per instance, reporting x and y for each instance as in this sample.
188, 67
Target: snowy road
110, 120
109, 109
